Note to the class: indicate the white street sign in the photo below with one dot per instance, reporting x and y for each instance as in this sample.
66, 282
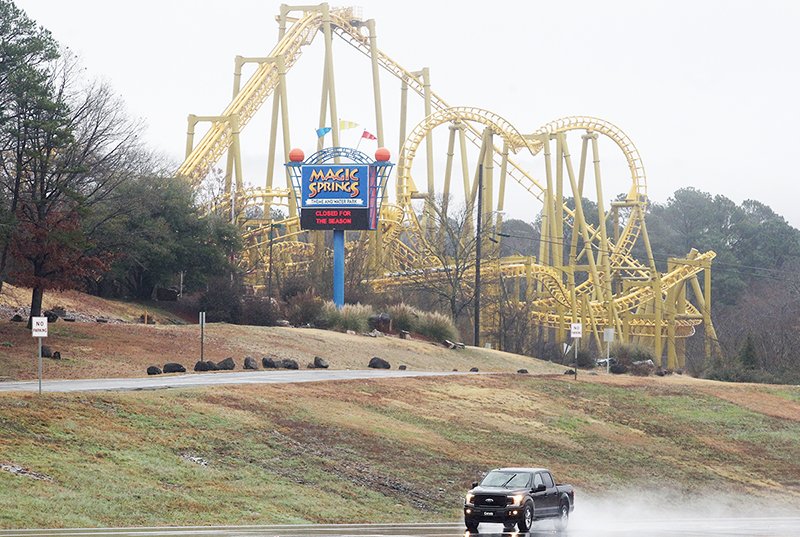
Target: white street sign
608, 335
39, 326
576, 330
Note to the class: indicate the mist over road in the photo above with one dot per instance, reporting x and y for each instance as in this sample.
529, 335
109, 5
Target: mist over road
710, 527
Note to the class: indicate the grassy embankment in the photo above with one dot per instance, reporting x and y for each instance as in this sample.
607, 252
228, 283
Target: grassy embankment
379, 451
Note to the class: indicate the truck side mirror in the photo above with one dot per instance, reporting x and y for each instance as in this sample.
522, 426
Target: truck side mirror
539, 488
474, 484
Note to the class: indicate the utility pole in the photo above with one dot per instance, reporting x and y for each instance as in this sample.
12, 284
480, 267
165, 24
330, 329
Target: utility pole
477, 336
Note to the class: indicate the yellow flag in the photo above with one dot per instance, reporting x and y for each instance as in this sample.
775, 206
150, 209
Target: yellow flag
344, 124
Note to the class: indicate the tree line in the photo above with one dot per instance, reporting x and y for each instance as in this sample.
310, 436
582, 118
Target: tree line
755, 279
83, 203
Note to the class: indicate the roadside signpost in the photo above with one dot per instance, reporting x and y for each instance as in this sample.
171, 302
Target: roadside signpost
39, 330
576, 332
202, 333
608, 337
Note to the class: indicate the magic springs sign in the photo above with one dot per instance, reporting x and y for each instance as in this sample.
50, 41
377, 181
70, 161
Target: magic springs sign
337, 196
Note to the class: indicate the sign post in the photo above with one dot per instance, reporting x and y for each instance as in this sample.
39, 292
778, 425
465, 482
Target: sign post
576, 331
608, 337
39, 330
202, 333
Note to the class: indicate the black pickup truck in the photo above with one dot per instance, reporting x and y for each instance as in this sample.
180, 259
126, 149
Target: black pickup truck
518, 496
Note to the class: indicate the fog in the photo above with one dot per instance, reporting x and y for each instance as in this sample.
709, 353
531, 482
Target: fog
649, 513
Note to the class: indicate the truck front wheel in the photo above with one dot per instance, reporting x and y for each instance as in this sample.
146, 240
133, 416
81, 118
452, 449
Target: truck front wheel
526, 521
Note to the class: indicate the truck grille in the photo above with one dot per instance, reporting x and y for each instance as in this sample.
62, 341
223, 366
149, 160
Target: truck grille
490, 500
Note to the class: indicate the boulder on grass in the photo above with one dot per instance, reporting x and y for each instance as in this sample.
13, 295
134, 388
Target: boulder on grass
47, 352
473, 370
17, 318
173, 367
378, 363
51, 316
321, 362
618, 369
250, 363
288, 363
153, 370
56, 355
227, 364
522, 371
212, 366
268, 363
569, 372
201, 366
381, 322
402, 367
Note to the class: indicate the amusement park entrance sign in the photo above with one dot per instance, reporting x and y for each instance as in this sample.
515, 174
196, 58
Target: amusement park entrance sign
339, 196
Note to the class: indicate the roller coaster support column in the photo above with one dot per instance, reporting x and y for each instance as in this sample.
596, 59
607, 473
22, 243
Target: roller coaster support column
476, 340
429, 212
338, 268
376, 243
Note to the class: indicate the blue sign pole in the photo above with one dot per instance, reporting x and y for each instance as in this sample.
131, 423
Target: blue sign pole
338, 268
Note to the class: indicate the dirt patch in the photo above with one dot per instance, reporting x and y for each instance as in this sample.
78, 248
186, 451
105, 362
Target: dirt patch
24, 472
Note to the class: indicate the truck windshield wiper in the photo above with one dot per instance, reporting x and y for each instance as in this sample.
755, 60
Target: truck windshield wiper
509, 480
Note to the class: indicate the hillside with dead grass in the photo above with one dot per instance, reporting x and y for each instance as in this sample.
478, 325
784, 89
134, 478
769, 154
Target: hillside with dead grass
124, 347
93, 350
388, 450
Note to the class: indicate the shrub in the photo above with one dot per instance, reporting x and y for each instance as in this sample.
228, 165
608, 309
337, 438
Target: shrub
585, 359
257, 311
329, 316
353, 317
304, 308
732, 370
222, 302
295, 285
436, 327
627, 353
404, 317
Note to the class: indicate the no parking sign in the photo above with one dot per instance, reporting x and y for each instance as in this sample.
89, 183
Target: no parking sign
39, 326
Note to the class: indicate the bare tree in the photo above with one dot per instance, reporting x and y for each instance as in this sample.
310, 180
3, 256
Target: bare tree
78, 147
447, 283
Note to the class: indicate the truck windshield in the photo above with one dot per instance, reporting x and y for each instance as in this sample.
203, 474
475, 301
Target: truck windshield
508, 480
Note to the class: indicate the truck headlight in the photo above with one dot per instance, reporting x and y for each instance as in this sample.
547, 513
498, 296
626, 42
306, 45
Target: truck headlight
468, 499
516, 500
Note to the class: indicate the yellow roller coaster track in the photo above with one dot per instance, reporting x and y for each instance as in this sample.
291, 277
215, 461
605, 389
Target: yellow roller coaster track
615, 288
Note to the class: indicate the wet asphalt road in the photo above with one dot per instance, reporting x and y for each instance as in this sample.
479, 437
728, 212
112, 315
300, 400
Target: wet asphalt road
714, 527
213, 379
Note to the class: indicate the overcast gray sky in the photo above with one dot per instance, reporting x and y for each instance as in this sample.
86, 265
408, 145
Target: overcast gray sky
707, 90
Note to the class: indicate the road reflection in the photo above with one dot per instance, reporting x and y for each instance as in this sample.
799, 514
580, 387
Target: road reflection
582, 527
710, 527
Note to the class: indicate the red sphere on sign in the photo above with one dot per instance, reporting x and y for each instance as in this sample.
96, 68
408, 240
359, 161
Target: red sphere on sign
296, 155
382, 154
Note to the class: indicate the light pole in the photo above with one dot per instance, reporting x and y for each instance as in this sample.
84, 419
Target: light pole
477, 335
